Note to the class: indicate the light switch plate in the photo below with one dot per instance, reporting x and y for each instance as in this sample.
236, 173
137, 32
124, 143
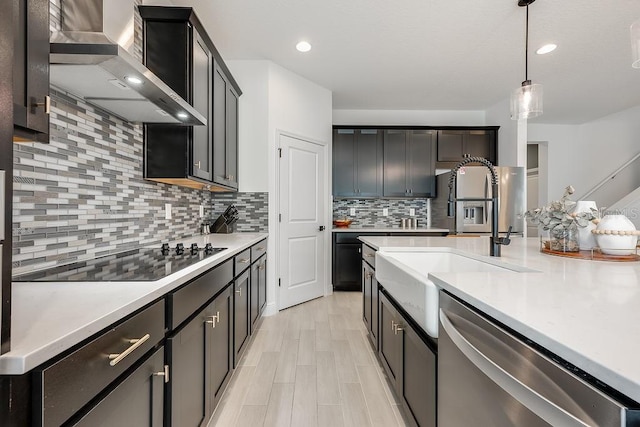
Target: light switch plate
352, 211
167, 211
201, 211
385, 211
412, 212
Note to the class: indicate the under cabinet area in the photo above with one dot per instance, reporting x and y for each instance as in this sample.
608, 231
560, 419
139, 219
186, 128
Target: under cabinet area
178, 50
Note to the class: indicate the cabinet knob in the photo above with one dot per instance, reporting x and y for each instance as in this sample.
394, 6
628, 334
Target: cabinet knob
164, 373
197, 164
46, 104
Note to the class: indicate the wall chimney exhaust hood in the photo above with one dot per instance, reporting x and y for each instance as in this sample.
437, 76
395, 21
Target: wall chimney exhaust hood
92, 58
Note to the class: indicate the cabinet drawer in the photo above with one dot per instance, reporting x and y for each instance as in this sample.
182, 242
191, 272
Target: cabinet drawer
369, 255
258, 250
242, 261
66, 386
341, 237
188, 299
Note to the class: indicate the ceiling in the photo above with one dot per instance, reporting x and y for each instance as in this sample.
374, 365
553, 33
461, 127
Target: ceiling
440, 54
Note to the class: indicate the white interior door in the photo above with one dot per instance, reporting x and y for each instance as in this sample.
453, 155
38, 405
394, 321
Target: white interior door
302, 234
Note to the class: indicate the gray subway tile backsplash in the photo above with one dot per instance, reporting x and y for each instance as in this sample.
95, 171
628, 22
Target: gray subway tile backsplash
369, 212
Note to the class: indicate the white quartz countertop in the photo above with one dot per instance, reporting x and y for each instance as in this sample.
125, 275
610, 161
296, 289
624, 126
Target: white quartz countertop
50, 317
586, 312
356, 229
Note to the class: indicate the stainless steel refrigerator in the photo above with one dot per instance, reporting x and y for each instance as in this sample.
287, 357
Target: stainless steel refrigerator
473, 208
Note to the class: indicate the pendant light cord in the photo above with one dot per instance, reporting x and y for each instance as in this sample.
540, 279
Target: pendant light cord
526, 48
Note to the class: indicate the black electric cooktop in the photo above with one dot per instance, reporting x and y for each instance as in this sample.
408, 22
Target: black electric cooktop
144, 264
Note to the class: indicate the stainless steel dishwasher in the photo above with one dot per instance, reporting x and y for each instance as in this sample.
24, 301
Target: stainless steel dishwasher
488, 377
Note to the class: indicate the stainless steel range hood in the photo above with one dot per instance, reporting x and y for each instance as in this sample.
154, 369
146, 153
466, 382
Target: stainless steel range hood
92, 58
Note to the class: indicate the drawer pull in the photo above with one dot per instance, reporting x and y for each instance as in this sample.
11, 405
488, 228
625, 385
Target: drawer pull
243, 261
197, 164
239, 291
369, 255
46, 104
261, 266
135, 343
260, 248
164, 373
213, 319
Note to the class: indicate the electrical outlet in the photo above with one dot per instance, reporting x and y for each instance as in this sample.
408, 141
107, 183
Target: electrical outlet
385, 211
201, 211
412, 212
167, 211
352, 211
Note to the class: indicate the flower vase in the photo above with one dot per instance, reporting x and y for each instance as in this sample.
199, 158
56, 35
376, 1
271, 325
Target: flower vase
565, 240
586, 239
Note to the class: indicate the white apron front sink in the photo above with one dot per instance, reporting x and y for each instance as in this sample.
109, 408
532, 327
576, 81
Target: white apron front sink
405, 275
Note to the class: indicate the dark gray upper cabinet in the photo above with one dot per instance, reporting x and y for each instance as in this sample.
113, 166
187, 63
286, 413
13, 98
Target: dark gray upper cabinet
453, 145
178, 50
409, 163
225, 130
31, 102
357, 163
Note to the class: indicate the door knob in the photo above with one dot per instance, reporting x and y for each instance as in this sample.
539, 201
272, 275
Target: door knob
321, 228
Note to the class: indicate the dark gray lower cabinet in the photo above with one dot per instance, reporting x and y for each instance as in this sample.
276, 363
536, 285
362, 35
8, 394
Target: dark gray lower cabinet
241, 324
137, 401
258, 290
410, 364
200, 358
370, 302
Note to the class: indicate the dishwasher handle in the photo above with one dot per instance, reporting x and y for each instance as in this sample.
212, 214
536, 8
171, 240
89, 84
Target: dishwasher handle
531, 399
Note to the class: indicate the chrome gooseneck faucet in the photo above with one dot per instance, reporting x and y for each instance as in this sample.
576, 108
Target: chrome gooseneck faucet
496, 242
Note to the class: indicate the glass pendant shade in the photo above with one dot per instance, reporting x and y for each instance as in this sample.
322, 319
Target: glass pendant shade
526, 101
635, 43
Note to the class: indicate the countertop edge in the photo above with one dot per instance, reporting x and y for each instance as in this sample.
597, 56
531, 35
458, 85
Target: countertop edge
21, 360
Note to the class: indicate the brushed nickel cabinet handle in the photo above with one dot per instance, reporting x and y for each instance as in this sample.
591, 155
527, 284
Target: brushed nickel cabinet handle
239, 291
197, 164
398, 329
135, 343
217, 316
260, 248
164, 373
369, 255
46, 104
243, 261
211, 321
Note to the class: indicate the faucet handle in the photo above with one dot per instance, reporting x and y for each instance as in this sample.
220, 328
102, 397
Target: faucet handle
506, 240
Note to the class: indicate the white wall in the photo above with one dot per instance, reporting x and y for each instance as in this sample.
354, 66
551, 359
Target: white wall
253, 132
409, 118
583, 155
276, 100
498, 115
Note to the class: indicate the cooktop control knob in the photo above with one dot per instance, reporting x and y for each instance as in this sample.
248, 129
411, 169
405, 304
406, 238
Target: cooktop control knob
194, 248
165, 248
179, 248
208, 248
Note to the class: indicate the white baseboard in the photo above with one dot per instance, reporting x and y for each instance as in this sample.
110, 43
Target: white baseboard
270, 309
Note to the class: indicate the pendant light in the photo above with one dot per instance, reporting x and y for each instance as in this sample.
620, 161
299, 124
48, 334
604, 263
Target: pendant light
635, 43
526, 101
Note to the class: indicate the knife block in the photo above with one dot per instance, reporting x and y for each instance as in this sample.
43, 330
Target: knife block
220, 226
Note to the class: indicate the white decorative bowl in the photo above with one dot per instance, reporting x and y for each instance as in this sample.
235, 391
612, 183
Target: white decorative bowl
616, 235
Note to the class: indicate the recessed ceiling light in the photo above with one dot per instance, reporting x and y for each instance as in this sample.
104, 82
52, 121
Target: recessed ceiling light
546, 49
182, 115
133, 80
303, 46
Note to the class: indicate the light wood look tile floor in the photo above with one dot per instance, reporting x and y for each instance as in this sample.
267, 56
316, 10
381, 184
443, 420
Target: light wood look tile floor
310, 365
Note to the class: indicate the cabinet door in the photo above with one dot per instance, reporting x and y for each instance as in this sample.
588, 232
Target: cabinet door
418, 384
344, 162
136, 401
219, 126
220, 355
450, 144
389, 341
480, 143
262, 287
395, 161
346, 267
368, 170
232, 137
366, 295
254, 306
31, 68
201, 88
240, 315
188, 387
421, 163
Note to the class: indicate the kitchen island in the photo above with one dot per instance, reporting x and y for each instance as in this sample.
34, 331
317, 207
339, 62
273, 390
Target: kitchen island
586, 312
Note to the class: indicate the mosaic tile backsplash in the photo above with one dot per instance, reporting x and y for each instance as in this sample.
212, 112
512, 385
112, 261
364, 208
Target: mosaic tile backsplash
83, 195
369, 211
